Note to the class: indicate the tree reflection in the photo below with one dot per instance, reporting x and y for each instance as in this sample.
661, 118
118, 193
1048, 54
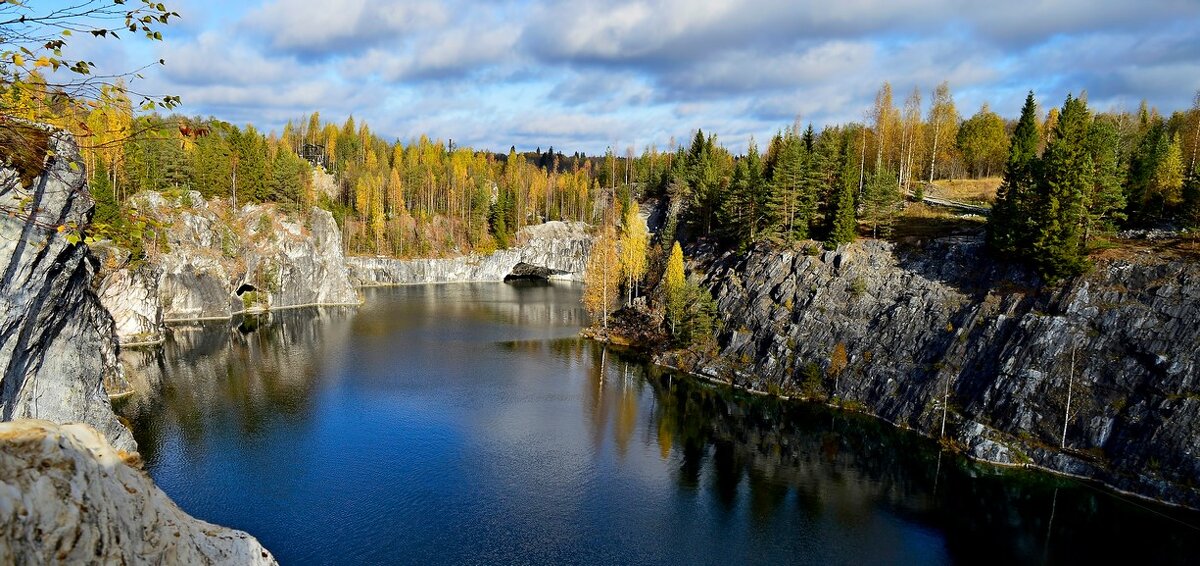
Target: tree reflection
753, 454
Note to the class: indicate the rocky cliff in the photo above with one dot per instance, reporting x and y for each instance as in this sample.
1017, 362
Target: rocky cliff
558, 246
217, 262
66, 497
945, 332
68, 493
56, 340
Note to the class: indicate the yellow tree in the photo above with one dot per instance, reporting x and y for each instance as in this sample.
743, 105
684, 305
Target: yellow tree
910, 126
886, 120
377, 216
943, 127
635, 239
600, 278
674, 287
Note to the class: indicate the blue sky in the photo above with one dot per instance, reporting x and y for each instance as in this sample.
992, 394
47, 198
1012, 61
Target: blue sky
582, 75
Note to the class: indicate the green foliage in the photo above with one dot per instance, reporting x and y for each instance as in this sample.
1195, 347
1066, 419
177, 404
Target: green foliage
743, 210
1007, 224
843, 225
793, 199
1104, 200
1190, 212
983, 142
881, 202
811, 383
1066, 173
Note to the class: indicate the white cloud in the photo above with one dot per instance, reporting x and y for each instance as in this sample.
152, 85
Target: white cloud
338, 26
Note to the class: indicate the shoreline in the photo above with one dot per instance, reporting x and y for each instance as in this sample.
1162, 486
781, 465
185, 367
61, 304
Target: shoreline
245, 311
1110, 489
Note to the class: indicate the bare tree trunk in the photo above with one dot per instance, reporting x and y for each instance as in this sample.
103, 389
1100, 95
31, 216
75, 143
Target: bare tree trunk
933, 154
1067, 412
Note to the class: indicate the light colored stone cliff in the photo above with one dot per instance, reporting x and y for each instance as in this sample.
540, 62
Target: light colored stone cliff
57, 348
558, 246
220, 262
67, 497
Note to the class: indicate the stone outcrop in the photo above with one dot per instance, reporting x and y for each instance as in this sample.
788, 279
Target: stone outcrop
560, 247
219, 262
66, 497
912, 336
57, 349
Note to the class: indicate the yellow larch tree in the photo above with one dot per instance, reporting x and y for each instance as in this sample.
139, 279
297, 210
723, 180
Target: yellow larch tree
635, 239
600, 278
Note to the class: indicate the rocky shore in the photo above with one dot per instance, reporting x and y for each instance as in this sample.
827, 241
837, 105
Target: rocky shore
945, 333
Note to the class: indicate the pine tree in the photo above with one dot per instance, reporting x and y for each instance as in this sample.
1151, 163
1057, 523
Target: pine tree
1007, 224
1066, 173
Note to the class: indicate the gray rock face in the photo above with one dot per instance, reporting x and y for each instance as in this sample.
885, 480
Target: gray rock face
57, 348
131, 296
558, 246
221, 262
949, 324
66, 497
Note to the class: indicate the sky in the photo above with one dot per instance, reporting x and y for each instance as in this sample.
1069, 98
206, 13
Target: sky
588, 75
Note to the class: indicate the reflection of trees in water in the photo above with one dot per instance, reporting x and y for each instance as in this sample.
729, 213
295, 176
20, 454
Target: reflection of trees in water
784, 456
528, 304
248, 371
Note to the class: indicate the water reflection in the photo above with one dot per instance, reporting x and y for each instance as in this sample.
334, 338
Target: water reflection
468, 423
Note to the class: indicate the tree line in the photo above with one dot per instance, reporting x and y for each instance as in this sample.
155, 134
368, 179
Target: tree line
418, 198
1068, 175
1084, 174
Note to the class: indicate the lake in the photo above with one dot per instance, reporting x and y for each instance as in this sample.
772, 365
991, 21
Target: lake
467, 424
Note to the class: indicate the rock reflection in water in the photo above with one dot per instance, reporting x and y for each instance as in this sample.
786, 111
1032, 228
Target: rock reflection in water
241, 373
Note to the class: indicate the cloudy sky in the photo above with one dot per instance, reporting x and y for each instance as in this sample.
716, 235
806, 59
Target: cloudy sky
584, 75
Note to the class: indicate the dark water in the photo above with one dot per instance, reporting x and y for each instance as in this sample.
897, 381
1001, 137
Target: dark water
467, 424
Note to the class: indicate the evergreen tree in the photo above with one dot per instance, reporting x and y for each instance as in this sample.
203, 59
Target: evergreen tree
792, 201
842, 222
1066, 174
881, 202
1104, 201
742, 210
1007, 224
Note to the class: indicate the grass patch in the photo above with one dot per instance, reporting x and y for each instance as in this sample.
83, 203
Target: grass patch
922, 222
972, 191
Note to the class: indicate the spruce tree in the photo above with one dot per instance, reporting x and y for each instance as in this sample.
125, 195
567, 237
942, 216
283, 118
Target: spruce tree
844, 225
1066, 173
788, 205
1105, 199
1007, 224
